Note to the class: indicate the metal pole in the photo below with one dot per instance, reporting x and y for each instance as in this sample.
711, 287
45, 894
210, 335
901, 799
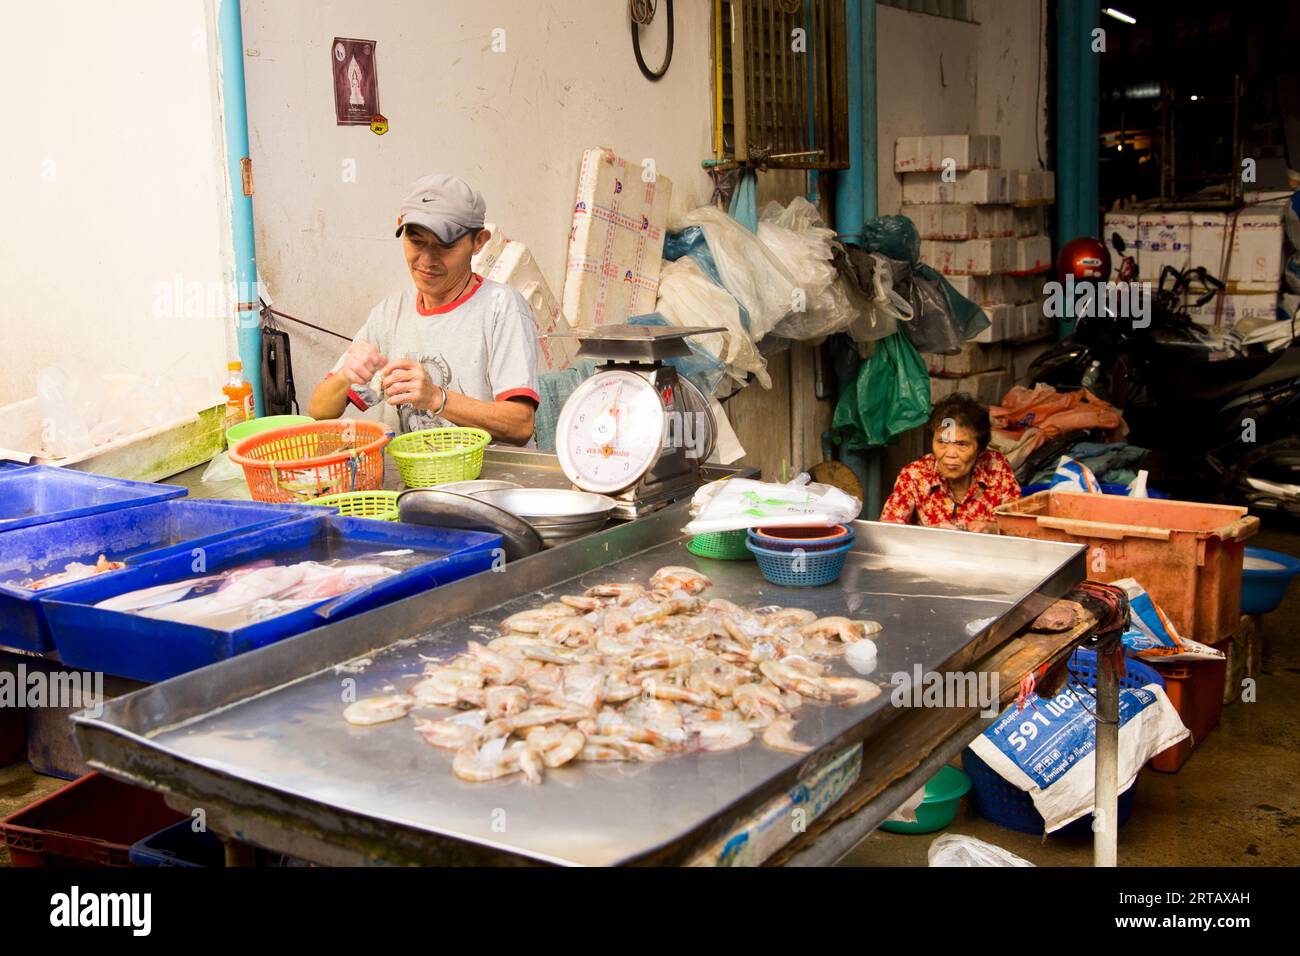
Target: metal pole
1105, 822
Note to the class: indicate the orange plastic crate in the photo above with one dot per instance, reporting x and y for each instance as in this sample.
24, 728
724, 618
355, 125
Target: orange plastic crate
300, 462
1186, 554
1195, 688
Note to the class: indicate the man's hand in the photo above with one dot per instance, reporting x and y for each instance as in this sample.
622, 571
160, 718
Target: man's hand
407, 382
360, 363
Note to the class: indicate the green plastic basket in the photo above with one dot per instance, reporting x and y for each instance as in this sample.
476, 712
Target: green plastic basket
436, 456
720, 545
381, 505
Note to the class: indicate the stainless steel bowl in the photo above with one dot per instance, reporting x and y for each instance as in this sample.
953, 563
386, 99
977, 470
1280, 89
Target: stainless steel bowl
474, 487
558, 515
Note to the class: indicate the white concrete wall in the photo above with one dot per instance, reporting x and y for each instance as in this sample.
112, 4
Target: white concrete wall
113, 182
938, 76
513, 123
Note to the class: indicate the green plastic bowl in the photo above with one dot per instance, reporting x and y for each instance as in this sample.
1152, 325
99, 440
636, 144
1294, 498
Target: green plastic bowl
237, 433
939, 806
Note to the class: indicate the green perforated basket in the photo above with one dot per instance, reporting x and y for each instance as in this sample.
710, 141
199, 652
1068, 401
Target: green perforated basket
381, 505
720, 545
436, 456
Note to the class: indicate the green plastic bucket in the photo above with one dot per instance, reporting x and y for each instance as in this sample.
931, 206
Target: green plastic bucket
237, 433
938, 808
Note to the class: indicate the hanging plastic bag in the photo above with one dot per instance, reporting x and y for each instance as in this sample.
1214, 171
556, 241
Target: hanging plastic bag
748, 269
688, 297
736, 503
953, 849
944, 318
890, 395
798, 236
867, 280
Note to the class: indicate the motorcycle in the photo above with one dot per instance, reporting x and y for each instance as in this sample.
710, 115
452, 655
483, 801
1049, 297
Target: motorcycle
1222, 417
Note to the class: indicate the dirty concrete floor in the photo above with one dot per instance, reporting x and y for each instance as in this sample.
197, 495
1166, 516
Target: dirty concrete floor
1235, 803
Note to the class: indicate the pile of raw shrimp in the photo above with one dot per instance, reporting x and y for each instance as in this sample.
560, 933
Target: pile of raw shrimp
625, 672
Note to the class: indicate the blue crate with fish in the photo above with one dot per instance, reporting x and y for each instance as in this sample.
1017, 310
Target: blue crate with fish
40, 494
43, 560
175, 614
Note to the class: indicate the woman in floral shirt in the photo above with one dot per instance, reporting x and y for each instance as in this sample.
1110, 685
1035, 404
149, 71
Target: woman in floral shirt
960, 484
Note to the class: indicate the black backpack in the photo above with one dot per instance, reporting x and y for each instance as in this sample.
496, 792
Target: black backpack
278, 396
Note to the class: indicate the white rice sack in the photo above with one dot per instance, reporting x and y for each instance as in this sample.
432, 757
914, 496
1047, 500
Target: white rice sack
1048, 748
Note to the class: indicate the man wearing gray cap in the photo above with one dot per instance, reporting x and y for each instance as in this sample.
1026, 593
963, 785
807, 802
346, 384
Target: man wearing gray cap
457, 349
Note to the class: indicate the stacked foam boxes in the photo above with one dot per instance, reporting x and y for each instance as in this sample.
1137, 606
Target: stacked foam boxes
1182, 240
984, 228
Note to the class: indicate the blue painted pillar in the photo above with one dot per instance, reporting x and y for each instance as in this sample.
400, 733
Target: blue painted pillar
235, 107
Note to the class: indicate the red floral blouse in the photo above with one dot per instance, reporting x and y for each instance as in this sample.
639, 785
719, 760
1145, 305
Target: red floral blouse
922, 496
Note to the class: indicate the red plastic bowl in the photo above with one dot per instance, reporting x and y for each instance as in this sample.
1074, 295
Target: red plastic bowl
808, 537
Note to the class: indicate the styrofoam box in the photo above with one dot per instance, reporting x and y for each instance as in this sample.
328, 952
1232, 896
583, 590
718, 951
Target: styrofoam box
1164, 239
973, 186
509, 262
968, 257
1002, 320
1028, 221
961, 220
980, 289
1049, 185
1032, 254
1026, 185
986, 387
1021, 289
973, 359
1237, 306
1255, 263
1126, 224
926, 153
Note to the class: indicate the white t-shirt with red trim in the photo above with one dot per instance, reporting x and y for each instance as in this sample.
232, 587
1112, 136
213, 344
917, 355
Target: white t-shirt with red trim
483, 345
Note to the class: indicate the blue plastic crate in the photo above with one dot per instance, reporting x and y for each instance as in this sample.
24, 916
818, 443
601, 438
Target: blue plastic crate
995, 799
133, 535
179, 845
39, 494
146, 649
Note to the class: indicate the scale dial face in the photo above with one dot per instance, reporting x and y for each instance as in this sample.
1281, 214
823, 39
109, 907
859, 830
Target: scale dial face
610, 431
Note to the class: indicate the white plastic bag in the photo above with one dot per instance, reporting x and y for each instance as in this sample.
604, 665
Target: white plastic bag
688, 297
749, 269
735, 503
1138, 486
952, 849
221, 469
796, 234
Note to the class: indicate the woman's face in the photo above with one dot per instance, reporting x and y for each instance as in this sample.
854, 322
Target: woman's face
955, 450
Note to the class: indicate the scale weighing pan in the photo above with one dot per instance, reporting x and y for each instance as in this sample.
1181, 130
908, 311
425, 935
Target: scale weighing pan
446, 509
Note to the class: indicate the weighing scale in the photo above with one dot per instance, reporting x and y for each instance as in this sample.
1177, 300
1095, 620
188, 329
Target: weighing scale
635, 430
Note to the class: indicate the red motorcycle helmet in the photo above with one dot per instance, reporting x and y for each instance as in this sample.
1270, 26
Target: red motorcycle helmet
1085, 258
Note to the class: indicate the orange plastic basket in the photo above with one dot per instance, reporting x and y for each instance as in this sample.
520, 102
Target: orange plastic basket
301, 462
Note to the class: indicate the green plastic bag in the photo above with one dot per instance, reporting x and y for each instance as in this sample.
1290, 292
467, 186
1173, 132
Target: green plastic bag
890, 395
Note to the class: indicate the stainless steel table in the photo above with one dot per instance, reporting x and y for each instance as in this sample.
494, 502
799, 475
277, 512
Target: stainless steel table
258, 742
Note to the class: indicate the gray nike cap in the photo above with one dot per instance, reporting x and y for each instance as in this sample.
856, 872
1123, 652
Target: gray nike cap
446, 205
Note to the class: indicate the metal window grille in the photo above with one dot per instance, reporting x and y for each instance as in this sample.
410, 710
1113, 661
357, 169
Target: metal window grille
952, 9
781, 83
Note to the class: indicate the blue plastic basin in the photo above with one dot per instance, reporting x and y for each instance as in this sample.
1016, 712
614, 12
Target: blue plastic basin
141, 533
39, 494
1262, 589
146, 649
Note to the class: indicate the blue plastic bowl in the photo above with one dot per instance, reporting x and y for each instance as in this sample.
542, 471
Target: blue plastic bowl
1262, 589
800, 569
